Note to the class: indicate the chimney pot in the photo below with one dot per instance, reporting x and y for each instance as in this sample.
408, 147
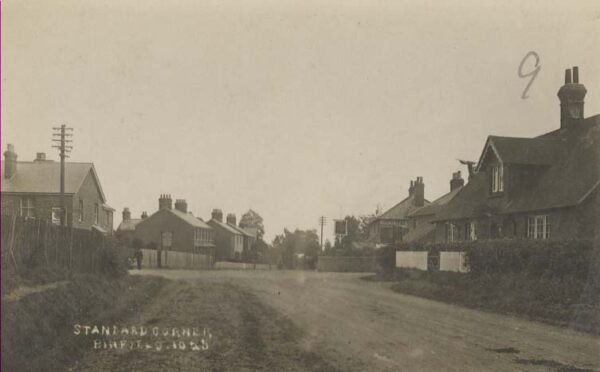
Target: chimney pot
575, 74
217, 215
144, 215
181, 205
571, 96
568, 76
10, 161
126, 214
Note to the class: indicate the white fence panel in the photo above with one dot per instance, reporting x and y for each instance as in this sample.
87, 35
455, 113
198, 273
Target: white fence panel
411, 259
453, 261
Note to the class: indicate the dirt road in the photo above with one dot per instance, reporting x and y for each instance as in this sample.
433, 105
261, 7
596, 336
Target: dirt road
272, 320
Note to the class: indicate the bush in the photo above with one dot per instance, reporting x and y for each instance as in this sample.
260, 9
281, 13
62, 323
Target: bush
113, 260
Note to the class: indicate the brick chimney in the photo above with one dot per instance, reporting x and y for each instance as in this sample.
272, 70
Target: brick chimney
419, 192
181, 205
217, 215
40, 156
165, 202
126, 214
457, 181
144, 215
571, 97
411, 189
10, 161
231, 219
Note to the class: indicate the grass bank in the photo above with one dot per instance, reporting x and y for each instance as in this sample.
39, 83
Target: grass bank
37, 330
566, 301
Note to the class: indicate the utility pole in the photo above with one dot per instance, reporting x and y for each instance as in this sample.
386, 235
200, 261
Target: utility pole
322, 222
61, 143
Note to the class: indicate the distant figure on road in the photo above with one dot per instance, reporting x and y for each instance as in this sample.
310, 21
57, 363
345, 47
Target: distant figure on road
139, 255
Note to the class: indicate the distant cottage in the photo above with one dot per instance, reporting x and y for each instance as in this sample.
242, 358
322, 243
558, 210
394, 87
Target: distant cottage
391, 226
539, 188
174, 229
420, 228
32, 190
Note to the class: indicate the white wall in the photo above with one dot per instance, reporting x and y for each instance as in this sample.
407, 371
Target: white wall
411, 260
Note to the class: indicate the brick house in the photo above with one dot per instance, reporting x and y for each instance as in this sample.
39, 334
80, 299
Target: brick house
392, 225
32, 189
174, 229
248, 233
228, 239
126, 229
539, 188
420, 227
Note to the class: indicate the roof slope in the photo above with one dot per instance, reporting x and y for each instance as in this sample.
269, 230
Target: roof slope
568, 180
44, 177
401, 210
190, 219
435, 205
225, 226
129, 225
241, 230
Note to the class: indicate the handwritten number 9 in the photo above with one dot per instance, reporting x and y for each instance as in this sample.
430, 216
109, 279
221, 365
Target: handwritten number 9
532, 73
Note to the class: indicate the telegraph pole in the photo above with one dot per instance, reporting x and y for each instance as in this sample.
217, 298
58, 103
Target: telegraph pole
61, 143
322, 222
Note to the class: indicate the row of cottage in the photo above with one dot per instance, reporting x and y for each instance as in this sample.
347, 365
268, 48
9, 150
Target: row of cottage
545, 187
31, 189
177, 229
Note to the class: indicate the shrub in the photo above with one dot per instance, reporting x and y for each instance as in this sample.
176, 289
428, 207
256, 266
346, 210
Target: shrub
113, 260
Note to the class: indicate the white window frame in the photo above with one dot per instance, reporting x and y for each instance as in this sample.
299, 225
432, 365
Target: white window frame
538, 227
56, 212
472, 231
27, 208
451, 232
80, 210
498, 178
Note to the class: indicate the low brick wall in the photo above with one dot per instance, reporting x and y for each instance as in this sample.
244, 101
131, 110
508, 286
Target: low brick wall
347, 264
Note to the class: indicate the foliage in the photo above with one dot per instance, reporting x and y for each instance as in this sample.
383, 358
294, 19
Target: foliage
290, 244
251, 219
536, 258
113, 260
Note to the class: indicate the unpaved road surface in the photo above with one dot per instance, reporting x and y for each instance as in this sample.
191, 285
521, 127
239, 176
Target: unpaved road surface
295, 320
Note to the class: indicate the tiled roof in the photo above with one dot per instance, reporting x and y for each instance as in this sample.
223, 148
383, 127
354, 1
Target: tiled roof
567, 181
435, 205
44, 177
129, 225
189, 218
241, 230
399, 211
225, 226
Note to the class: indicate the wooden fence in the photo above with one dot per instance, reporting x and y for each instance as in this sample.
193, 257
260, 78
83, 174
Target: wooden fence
176, 260
29, 243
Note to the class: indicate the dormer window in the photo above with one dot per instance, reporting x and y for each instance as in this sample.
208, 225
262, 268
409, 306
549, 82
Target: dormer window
497, 178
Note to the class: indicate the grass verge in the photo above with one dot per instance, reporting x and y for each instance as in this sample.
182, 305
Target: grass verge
36, 329
566, 301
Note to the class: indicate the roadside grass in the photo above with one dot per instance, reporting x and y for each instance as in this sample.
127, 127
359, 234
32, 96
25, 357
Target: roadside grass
563, 301
37, 330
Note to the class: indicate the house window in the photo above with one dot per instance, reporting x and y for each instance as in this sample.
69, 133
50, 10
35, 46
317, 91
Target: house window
96, 213
56, 211
166, 239
538, 227
451, 232
27, 208
80, 210
470, 233
497, 178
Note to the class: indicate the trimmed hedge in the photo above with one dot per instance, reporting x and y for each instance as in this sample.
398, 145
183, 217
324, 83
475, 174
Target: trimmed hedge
535, 258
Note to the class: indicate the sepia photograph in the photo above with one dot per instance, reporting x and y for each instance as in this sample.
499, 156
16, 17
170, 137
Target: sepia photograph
320, 185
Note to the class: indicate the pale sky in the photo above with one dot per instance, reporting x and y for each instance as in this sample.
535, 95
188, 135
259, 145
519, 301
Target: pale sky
295, 109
